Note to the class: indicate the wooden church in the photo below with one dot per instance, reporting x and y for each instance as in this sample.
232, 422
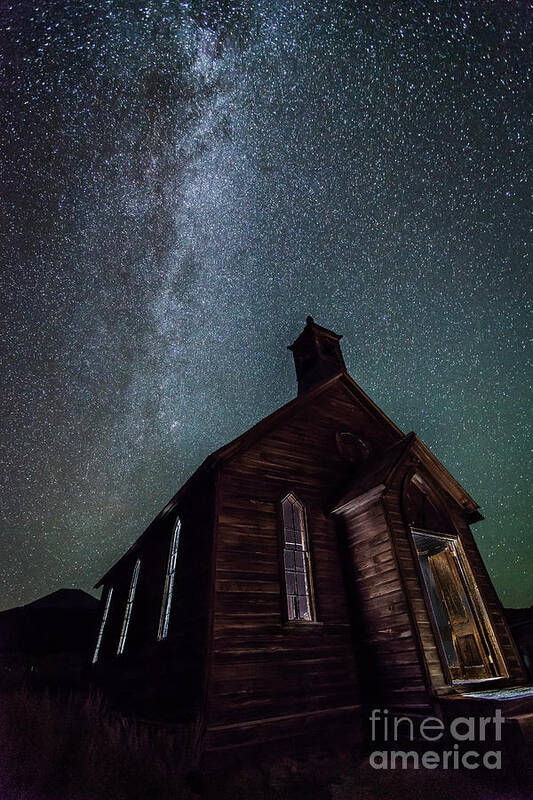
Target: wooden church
317, 566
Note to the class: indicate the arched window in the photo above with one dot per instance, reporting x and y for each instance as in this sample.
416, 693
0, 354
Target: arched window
296, 560
169, 581
102, 625
129, 606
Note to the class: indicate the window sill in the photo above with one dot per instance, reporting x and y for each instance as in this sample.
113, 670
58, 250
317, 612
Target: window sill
302, 623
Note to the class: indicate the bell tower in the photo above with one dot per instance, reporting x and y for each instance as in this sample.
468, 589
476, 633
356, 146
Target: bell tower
317, 355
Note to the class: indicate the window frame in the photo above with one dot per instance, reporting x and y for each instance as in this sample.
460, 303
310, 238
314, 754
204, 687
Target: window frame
456, 530
129, 607
170, 578
475, 600
103, 622
309, 562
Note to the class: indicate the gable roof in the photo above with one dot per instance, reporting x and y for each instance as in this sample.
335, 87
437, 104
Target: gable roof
265, 425
376, 472
248, 438
380, 472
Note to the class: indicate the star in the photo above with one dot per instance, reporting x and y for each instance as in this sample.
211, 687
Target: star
185, 182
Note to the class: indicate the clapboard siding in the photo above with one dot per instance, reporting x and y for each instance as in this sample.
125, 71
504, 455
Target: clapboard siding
386, 648
262, 668
439, 680
231, 665
429, 655
493, 606
176, 665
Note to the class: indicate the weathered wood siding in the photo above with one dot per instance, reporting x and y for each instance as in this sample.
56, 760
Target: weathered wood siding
438, 679
262, 669
493, 606
163, 679
386, 645
424, 637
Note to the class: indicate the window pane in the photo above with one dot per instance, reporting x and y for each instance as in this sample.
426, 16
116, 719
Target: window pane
129, 606
303, 608
288, 556
301, 583
291, 607
164, 616
102, 626
290, 579
290, 536
287, 514
299, 524
295, 559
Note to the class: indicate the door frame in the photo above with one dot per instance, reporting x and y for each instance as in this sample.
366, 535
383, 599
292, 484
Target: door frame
480, 615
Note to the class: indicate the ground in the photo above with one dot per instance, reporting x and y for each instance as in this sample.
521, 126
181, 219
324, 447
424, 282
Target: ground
58, 747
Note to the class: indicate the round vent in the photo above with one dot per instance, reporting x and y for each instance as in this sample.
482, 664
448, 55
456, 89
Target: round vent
351, 447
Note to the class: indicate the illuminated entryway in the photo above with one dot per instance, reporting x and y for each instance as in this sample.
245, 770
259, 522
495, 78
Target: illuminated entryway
458, 614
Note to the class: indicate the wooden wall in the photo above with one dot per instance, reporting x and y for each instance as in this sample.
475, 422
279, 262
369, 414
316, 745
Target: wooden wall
424, 637
397, 652
493, 606
386, 645
163, 679
230, 658
263, 669
438, 679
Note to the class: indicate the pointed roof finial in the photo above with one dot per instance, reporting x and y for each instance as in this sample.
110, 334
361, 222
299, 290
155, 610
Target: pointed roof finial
309, 320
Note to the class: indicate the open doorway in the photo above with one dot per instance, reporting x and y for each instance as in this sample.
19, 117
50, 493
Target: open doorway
461, 621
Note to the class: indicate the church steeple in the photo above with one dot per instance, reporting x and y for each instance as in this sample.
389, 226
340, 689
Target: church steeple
317, 355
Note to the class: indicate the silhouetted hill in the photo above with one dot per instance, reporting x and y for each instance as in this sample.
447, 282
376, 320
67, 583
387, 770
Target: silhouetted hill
65, 598
50, 638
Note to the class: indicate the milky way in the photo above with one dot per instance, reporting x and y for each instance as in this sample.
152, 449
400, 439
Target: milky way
182, 183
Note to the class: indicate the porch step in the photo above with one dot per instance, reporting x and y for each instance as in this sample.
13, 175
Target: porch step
515, 705
513, 700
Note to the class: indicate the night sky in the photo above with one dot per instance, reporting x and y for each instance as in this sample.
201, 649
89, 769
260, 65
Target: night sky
183, 183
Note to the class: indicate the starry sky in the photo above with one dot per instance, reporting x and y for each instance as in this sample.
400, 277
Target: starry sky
183, 182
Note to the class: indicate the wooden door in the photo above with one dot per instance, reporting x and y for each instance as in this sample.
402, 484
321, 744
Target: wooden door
473, 662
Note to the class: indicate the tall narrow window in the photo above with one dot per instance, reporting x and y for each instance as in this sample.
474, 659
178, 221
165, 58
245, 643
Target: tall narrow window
169, 581
296, 560
102, 625
129, 606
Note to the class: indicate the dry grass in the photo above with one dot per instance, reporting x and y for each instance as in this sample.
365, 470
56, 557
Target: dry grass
70, 748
